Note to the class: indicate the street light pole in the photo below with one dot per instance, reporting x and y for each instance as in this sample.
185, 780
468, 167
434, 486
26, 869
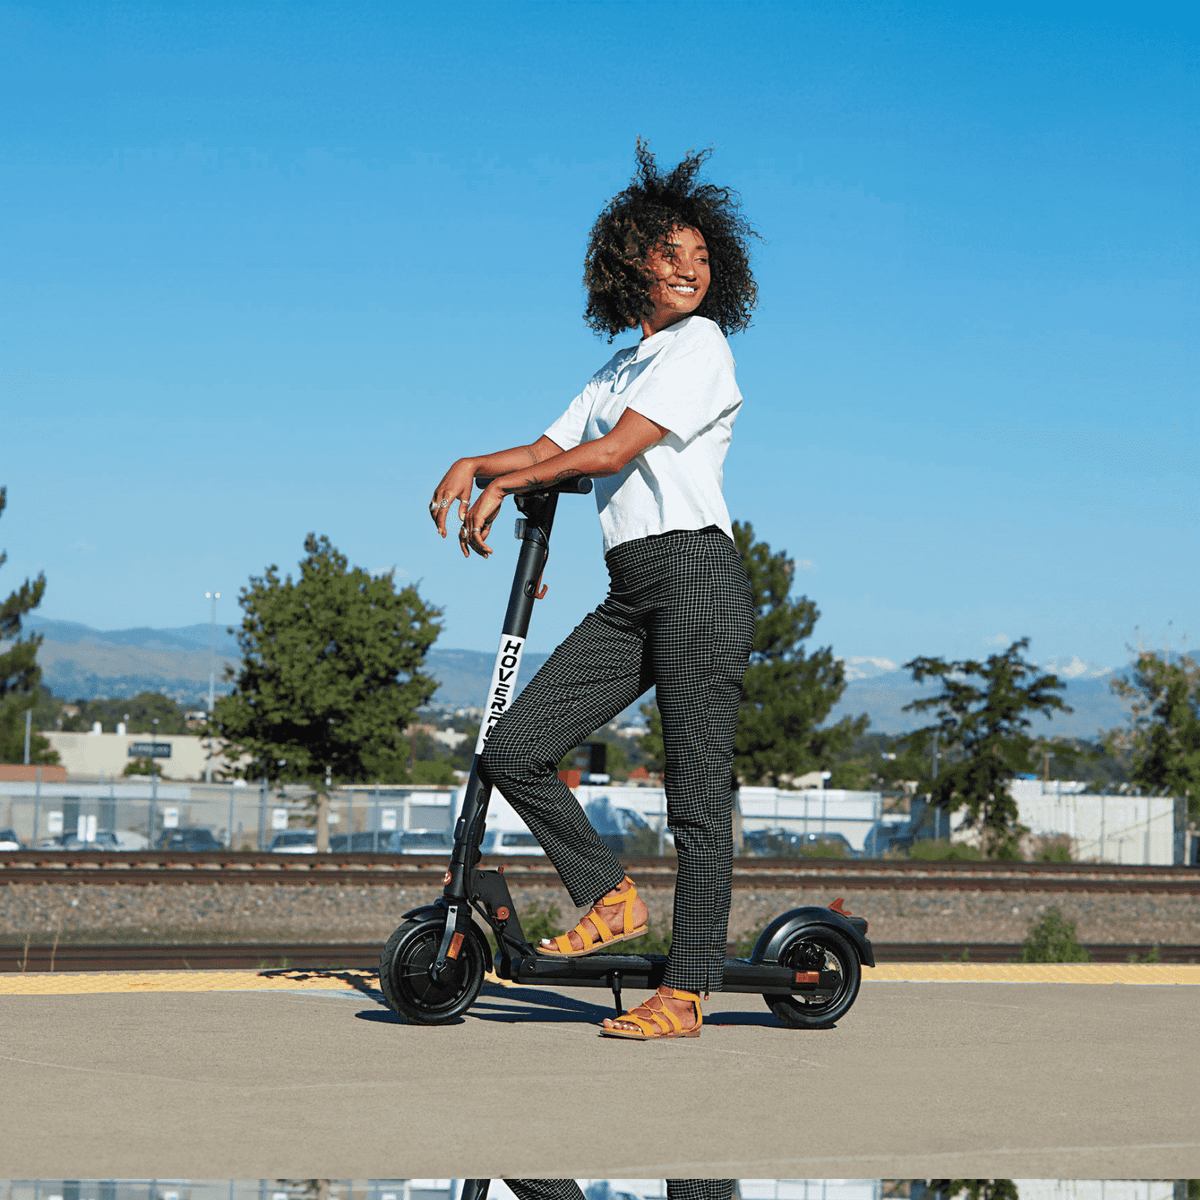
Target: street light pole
937, 815
212, 676
153, 779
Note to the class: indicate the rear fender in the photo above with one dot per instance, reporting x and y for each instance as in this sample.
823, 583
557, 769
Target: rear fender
770, 941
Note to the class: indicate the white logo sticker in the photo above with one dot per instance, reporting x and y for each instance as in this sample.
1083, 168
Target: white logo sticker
504, 684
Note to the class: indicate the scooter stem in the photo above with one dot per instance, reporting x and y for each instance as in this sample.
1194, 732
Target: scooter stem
538, 509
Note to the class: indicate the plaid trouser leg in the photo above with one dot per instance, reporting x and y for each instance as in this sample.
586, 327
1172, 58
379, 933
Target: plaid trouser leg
568, 1189
700, 1189
678, 616
700, 646
596, 673
548, 1189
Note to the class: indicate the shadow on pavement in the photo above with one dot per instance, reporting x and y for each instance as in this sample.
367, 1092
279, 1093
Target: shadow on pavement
764, 1020
380, 1016
360, 981
534, 1004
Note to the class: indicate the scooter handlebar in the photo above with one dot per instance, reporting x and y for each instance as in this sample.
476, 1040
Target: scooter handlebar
580, 487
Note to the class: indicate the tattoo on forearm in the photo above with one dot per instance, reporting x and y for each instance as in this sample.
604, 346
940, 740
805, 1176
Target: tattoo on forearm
539, 485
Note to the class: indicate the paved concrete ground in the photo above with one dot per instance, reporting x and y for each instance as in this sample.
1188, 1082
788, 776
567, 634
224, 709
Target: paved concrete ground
918, 1080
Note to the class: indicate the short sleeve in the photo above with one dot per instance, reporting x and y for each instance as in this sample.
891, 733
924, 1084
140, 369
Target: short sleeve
567, 432
691, 387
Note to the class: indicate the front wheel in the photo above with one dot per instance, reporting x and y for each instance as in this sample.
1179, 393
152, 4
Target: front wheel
818, 948
404, 973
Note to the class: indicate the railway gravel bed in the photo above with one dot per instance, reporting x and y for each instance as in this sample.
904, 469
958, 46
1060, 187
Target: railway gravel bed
149, 867
343, 913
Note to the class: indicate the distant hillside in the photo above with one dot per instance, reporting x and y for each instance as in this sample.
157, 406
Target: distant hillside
884, 696
80, 662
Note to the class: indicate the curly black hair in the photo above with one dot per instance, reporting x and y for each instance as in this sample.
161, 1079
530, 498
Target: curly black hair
638, 220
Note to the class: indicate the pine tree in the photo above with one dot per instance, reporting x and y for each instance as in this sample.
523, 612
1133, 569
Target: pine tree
19, 672
787, 693
983, 730
1164, 731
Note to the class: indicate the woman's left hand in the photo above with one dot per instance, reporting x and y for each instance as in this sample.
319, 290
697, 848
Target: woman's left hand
474, 531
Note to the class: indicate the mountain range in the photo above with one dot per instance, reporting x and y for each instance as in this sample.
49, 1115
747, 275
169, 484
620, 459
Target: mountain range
79, 662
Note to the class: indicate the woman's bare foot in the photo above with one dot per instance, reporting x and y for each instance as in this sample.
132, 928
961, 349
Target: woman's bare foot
613, 915
687, 1011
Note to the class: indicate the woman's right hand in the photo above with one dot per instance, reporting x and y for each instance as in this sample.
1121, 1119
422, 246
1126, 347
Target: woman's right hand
456, 485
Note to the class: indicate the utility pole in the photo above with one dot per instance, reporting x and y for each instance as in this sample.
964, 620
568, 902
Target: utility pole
937, 821
153, 779
28, 727
212, 677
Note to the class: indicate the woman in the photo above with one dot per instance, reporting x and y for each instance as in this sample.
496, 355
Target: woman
669, 254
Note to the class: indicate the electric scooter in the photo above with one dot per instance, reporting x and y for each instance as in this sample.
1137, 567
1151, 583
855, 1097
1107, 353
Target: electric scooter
806, 964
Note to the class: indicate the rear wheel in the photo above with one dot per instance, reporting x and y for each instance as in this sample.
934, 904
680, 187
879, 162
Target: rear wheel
404, 975
818, 948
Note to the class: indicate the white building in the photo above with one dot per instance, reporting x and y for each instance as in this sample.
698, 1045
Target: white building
108, 754
1118, 829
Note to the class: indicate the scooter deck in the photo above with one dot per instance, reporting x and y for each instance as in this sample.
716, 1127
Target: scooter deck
618, 971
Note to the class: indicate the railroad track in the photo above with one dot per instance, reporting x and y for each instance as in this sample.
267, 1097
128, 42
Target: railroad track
307, 956
356, 870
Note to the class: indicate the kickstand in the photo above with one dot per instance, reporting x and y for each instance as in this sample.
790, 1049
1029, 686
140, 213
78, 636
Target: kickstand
615, 980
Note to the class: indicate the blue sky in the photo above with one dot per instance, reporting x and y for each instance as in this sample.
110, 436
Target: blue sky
269, 268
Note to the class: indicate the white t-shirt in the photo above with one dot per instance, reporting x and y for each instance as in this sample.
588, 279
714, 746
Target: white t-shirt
680, 378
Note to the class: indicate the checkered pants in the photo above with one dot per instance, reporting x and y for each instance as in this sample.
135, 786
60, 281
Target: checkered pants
678, 618
568, 1189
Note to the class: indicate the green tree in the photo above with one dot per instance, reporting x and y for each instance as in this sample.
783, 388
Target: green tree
331, 672
19, 672
141, 710
1164, 728
787, 693
974, 1189
985, 729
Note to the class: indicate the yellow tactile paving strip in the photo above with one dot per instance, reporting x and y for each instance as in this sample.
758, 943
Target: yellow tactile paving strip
1034, 973
44, 983
63, 984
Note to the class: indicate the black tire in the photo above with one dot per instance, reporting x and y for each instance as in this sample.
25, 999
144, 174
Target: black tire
404, 973
818, 948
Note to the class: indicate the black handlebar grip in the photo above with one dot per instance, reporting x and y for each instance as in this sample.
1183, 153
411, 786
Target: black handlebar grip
580, 486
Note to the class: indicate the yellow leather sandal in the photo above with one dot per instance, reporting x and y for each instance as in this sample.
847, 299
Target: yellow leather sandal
658, 1022
562, 943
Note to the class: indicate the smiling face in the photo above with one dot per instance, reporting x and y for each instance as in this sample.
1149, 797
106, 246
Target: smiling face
681, 278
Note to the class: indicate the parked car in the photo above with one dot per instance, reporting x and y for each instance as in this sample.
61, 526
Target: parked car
188, 838
888, 835
510, 841
294, 841
371, 842
630, 827
623, 830
784, 843
105, 839
9, 840
821, 843
434, 842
